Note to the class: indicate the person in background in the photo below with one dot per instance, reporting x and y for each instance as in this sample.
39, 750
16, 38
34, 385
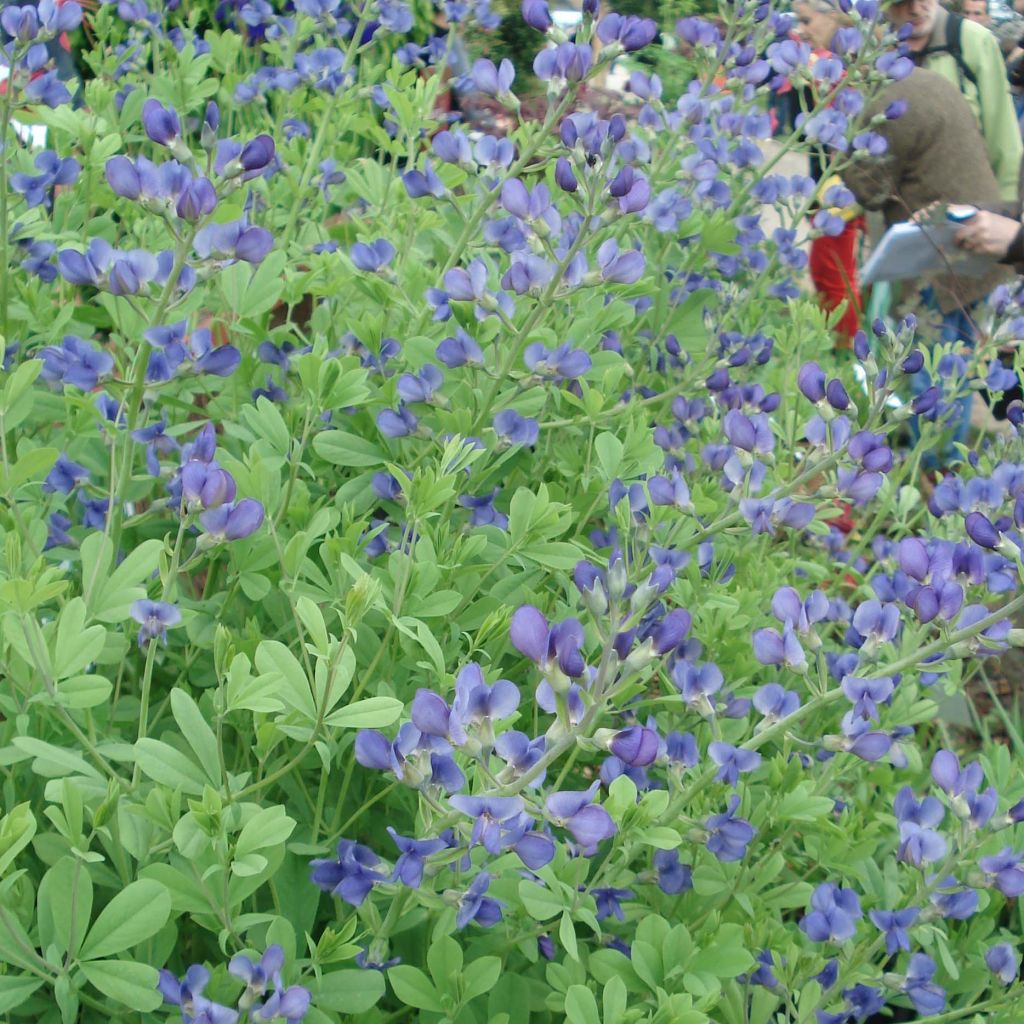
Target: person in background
833, 259
968, 56
976, 11
934, 155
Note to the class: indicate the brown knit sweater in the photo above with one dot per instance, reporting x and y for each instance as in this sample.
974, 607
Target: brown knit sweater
936, 154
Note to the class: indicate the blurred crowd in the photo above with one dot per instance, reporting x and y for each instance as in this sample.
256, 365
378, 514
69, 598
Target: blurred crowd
952, 141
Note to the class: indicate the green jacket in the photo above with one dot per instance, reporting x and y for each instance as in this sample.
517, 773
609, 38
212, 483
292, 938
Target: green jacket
990, 99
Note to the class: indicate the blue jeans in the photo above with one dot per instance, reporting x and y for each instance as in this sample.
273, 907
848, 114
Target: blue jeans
957, 326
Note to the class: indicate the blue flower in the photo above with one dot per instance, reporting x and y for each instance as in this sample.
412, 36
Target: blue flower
1003, 962
673, 877
412, 860
475, 906
588, 822
927, 997
729, 836
834, 914
155, 618
351, 876
894, 924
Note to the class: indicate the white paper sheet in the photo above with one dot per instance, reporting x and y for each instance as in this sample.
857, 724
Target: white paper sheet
915, 250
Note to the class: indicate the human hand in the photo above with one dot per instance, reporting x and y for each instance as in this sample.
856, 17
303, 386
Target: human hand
988, 234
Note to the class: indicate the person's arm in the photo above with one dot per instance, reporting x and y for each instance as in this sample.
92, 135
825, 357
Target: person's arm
990, 234
999, 122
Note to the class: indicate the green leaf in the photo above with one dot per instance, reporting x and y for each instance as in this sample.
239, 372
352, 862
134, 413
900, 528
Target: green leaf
609, 453
115, 595
480, 977
86, 691
197, 733
726, 958
540, 903
16, 832
414, 988
166, 764
444, 960
371, 713
581, 1006
274, 659
349, 992
133, 915
567, 935
76, 645
15, 990
53, 762
341, 449
268, 827
614, 1000
134, 985
65, 905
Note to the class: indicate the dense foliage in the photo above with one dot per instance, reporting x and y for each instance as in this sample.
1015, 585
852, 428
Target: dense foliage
427, 583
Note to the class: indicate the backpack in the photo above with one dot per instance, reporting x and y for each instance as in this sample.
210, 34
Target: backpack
952, 46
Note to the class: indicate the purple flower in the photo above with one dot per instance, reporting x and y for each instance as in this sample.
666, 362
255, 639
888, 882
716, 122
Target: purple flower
927, 997
1003, 962
697, 683
918, 845
568, 61
673, 877
608, 902
490, 814
398, 422
460, 350
290, 1005
520, 754
351, 876
257, 976
233, 520
833, 916
514, 429
374, 256
636, 746
419, 184
475, 906
420, 387
776, 703
412, 858
155, 618
160, 123
729, 836
561, 363
187, 993
65, 476
588, 822
494, 81
774, 648
950, 779
75, 362
537, 15
894, 924
630, 31
733, 761
619, 268
1006, 871
546, 645
865, 694
235, 240
980, 529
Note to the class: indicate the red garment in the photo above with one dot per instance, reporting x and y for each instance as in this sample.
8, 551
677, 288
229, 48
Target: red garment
833, 268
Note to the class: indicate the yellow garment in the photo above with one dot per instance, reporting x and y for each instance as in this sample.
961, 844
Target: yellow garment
846, 213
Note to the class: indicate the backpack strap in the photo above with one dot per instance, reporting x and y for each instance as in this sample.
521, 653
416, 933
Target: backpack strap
953, 46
